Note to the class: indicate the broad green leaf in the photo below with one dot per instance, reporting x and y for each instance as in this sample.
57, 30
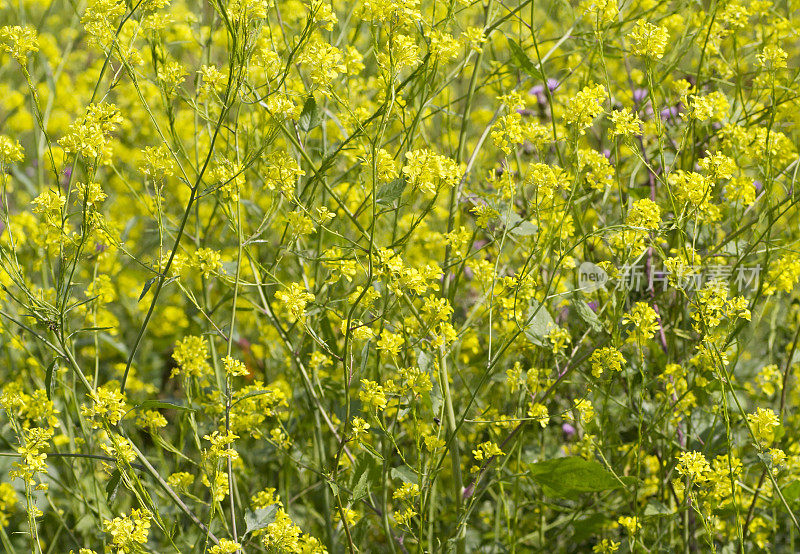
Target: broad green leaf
360, 490
589, 526
518, 226
389, 192
588, 315
655, 508
523, 61
334, 488
405, 474
366, 472
309, 117
524, 229
791, 492
568, 477
259, 518
539, 323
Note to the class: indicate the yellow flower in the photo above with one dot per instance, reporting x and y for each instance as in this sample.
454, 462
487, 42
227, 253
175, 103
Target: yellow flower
372, 394
631, 524
649, 40
626, 123
427, 171
645, 321
10, 150
763, 424
225, 546
19, 41
585, 106
294, 300
604, 358
128, 532
773, 57
644, 213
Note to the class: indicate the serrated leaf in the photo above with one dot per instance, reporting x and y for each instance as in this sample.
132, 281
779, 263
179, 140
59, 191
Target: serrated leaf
309, 117
334, 488
259, 518
539, 324
588, 315
360, 490
571, 476
366, 471
523, 61
389, 192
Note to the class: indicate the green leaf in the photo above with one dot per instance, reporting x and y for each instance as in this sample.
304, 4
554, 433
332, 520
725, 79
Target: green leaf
588, 315
571, 476
523, 61
309, 117
360, 490
791, 492
260, 518
524, 229
389, 192
540, 322
591, 525
366, 472
655, 508
146, 287
435, 396
252, 393
334, 488
113, 485
405, 474
164, 404
518, 226
49, 383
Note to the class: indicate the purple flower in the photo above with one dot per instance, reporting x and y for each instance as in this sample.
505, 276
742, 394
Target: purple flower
639, 95
670, 113
568, 429
538, 92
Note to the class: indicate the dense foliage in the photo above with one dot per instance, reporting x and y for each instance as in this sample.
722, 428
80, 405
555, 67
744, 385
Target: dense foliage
399, 276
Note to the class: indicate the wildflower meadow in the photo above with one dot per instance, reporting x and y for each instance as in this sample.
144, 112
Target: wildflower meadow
399, 276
